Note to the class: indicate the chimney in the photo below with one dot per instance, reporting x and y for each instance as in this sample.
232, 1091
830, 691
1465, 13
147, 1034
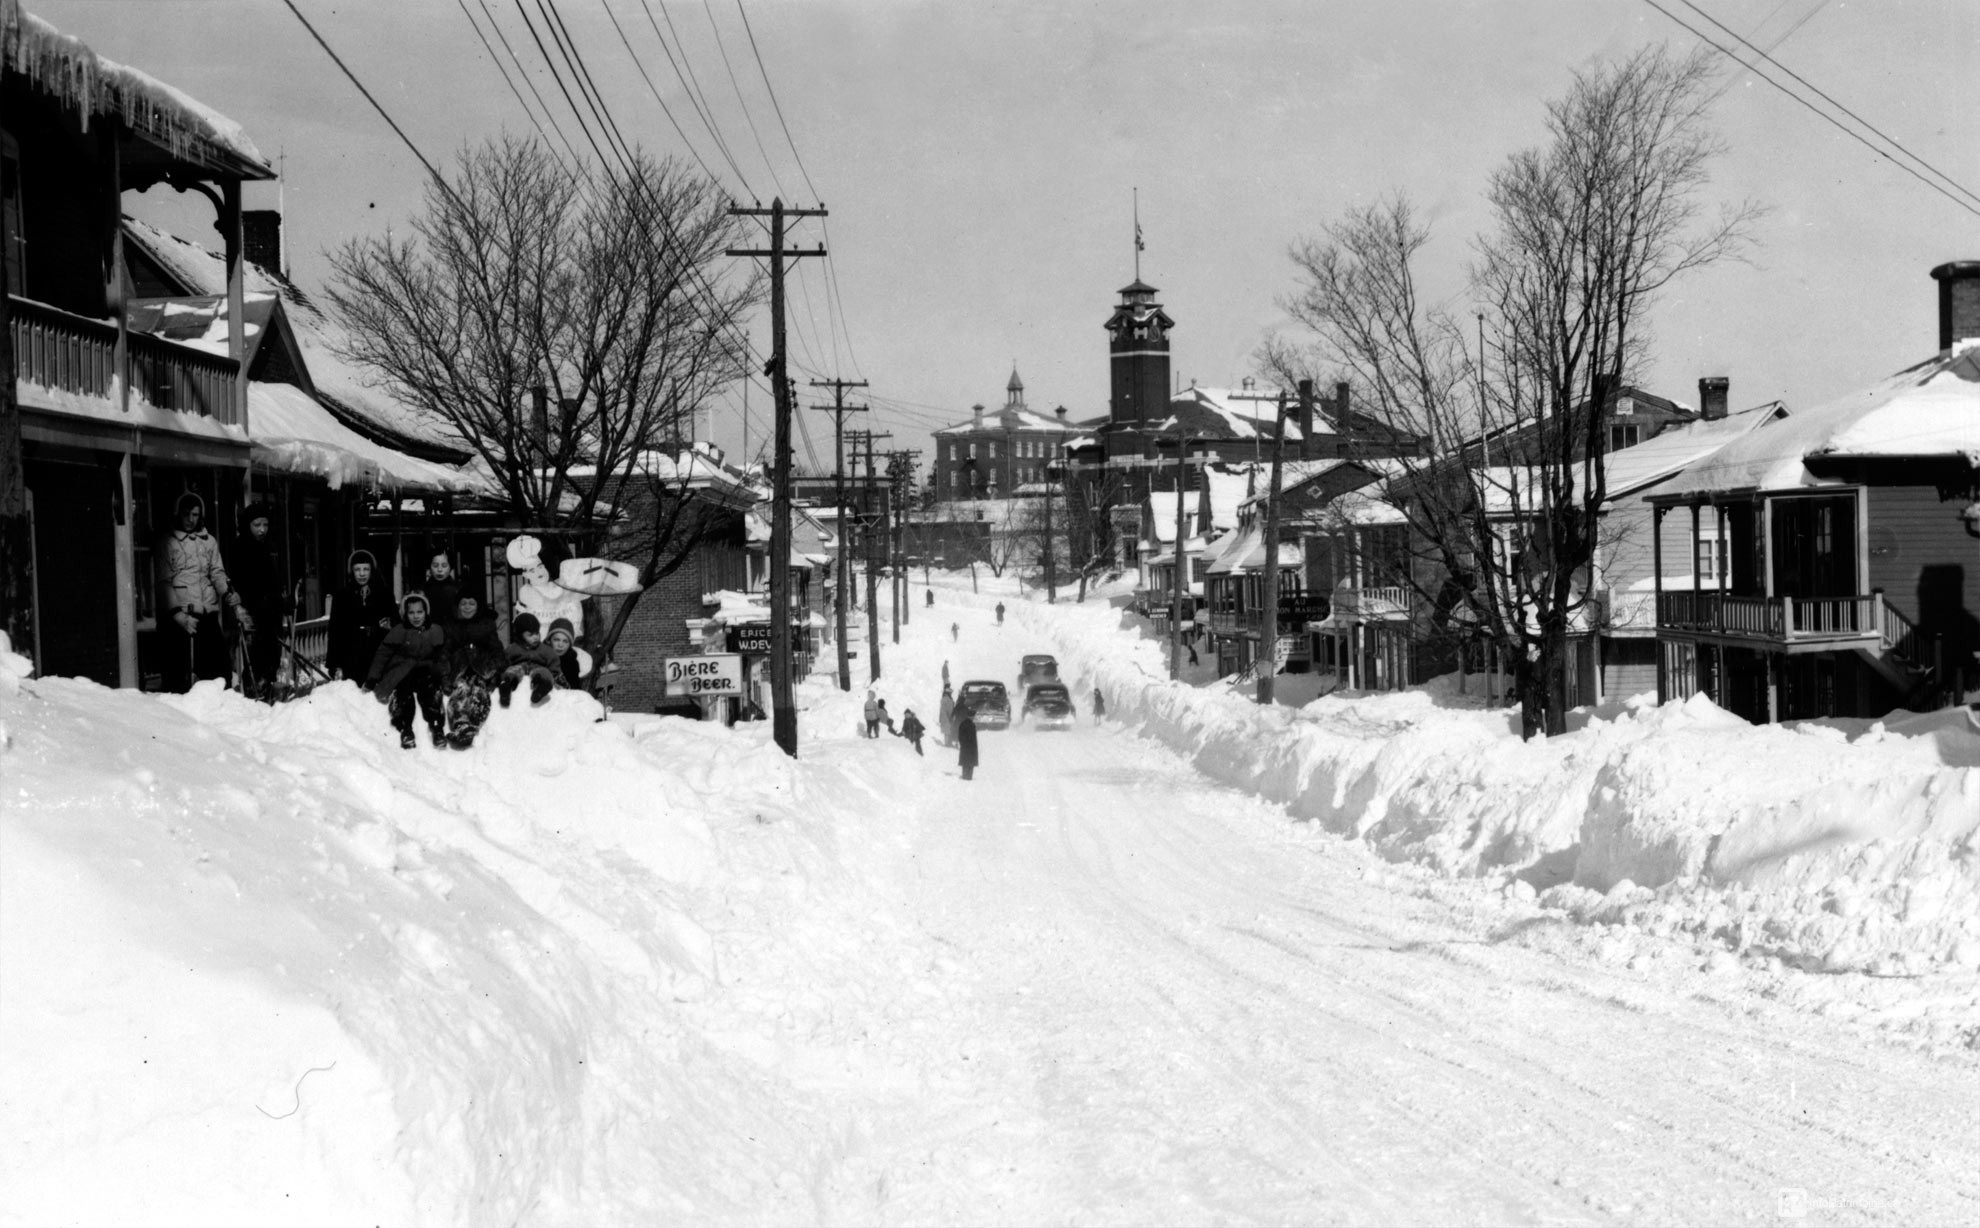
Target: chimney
1712, 397
976, 417
1343, 425
1959, 304
261, 239
1061, 411
1306, 441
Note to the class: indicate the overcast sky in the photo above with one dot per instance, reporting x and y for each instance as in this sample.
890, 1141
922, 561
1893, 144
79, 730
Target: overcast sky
979, 160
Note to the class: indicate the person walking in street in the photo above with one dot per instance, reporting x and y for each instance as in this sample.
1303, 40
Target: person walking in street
360, 615
1099, 705
1000, 613
945, 675
912, 729
871, 712
196, 590
931, 598
966, 742
257, 575
955, 632
945, 717
406, 670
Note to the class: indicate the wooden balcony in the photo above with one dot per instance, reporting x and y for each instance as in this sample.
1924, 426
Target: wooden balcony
1383, 603
77, 355
1814, 621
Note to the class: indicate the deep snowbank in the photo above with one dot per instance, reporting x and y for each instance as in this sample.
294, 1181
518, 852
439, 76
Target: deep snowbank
1837, 846
264, 967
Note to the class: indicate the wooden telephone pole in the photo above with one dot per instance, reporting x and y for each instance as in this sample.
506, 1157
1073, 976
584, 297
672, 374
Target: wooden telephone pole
783, 712
900, 471
873, 545
839, 409
1268, 622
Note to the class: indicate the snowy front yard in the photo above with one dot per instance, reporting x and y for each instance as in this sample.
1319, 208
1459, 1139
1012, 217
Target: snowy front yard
1197, 962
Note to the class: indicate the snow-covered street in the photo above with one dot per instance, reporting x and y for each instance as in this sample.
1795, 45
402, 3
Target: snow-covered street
267, 968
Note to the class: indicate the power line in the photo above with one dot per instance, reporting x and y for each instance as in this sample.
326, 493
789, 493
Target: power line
771, 91
534, 92
1825, 116
722, 50
657, 97
684, 73
352, 77
1825, 97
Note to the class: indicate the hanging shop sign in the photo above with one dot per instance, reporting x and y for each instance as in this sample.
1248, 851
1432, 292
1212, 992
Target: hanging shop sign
703, 676
753, 639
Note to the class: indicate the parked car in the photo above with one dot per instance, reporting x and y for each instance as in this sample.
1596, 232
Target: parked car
1037, 667
988, 703
1048, 705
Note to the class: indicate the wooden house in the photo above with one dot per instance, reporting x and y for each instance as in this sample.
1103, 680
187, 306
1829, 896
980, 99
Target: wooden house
1843, 544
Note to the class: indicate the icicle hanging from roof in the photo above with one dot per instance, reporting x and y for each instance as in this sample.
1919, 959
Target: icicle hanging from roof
63, 66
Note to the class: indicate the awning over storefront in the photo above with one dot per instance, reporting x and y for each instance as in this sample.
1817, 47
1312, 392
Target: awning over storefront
292, 433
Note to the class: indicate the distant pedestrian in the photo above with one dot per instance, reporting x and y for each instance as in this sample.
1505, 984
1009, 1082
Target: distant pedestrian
945, 675
955, 632
931, 597
945, 718
966, 741
912, 729
1000, 613
1192, 651
1099, 705
871, 713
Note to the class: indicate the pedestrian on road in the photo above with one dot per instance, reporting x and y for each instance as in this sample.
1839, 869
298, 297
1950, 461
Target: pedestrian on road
1099, 705
945, 675
1000, 613
931, 597
966, 740
946, 716
912, 729
955, 632
872, 714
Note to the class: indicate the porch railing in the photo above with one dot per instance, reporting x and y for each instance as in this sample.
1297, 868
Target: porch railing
64, 352
1382, 603
310, 640
1780, 619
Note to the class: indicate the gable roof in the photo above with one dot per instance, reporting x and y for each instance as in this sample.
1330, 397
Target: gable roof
1930, 409
352, 397
1679, 447
1011, 418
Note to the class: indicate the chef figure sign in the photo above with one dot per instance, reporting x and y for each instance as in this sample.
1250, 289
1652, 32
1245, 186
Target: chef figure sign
563, 597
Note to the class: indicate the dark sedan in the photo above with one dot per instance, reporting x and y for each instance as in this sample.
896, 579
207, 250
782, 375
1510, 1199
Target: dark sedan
987, 702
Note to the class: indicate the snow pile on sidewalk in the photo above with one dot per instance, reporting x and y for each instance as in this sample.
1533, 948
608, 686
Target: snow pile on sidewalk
262, 966
1827, 845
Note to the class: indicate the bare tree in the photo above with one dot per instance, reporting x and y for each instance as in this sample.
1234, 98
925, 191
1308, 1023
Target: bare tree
568, 326
1505, 511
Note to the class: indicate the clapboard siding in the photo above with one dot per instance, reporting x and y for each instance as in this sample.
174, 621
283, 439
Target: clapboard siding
1919, 551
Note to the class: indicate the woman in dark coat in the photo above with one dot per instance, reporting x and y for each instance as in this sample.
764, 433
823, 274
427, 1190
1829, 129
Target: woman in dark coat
406, 670
360, 615
966, 739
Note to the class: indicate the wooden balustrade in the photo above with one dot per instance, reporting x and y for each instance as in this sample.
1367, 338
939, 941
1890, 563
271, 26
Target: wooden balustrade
1771, 618
65, 352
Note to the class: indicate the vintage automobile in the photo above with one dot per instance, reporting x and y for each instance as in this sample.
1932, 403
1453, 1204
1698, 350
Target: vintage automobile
1048, 705
989, 704
1037, 667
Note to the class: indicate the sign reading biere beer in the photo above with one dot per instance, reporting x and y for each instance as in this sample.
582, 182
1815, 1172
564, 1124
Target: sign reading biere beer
711, 675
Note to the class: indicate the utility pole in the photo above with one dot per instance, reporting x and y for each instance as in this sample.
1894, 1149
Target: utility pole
867, 519
1178, 582
1268, 622
900, 471
839, 409
783, 707
1051, 582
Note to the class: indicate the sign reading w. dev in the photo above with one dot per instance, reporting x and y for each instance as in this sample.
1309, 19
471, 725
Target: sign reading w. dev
703, 676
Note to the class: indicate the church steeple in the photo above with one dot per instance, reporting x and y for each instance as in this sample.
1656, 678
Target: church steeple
1014, 391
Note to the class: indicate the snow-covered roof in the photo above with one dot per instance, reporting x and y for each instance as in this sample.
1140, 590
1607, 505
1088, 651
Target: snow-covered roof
1229, 487
349, 392
1629, 470
1246, 552
293, 433
1929, 409
64, 67
1011, 418
1234, 413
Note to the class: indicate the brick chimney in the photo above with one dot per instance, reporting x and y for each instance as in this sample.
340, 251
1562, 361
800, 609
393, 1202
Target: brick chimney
1959, 303
1307, 444
1343, 425
1712, 397
261, 239
976, 417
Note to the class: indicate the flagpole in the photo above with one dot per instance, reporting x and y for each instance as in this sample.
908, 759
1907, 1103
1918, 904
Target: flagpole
1137, 234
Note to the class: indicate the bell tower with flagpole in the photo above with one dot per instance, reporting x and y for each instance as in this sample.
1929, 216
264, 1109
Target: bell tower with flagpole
1138, 349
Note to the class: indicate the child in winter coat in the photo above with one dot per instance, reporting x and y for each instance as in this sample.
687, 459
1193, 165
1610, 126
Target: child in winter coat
560, 639
360, 615
406, 669
872, 714
529, 658
886, 718
911, 729
474, 661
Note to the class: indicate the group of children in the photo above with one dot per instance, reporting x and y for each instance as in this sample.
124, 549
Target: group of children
449, 669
